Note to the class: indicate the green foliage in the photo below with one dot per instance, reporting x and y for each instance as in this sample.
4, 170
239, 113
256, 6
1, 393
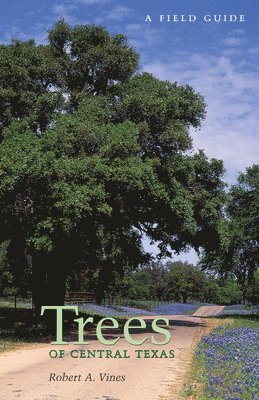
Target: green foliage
186, 282
175, 281
6, 277
252, 289
243, 210
94, 156
238, 253
228, 291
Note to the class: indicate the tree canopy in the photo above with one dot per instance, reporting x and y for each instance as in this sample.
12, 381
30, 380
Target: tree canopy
238, 250
174, 281
93, 156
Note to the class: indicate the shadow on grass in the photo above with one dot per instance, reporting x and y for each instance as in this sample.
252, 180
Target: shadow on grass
18, 326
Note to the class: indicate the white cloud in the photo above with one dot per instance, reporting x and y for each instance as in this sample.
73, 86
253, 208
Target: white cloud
66, 11
234, 41
10, 32
117, 13
238, 32
231, 130
144, 38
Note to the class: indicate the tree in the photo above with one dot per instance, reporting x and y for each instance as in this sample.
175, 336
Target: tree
243, 211
229, 291
6, 277
238, 252
185, 282
94, 156
252, 292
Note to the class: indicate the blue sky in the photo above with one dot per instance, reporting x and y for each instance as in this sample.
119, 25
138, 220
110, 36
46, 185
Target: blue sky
221, 60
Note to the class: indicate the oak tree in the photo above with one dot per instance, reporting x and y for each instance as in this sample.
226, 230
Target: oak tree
93, 157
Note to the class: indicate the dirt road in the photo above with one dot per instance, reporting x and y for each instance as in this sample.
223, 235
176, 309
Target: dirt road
30, 374
208, 311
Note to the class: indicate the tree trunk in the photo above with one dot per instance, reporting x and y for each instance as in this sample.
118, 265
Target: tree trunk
100, 291
56, 280
48, 285
105, 278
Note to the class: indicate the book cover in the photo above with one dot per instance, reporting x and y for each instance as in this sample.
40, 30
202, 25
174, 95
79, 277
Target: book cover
129, 190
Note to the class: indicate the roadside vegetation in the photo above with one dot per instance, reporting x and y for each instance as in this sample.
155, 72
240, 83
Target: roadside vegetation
225, 365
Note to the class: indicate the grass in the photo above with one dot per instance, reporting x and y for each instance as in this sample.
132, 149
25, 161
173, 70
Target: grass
249, 321
16, 328
225, 366
8, 303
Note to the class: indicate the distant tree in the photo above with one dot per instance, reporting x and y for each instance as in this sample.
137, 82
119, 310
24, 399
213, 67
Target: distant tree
155, 277
135, 285
181, 282
94, 156
229, 291
252, 292
185, 282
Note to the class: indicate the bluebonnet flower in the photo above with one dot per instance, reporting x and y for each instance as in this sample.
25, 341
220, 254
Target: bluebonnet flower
230, 360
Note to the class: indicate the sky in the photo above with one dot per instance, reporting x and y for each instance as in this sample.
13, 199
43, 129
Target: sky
219, 59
